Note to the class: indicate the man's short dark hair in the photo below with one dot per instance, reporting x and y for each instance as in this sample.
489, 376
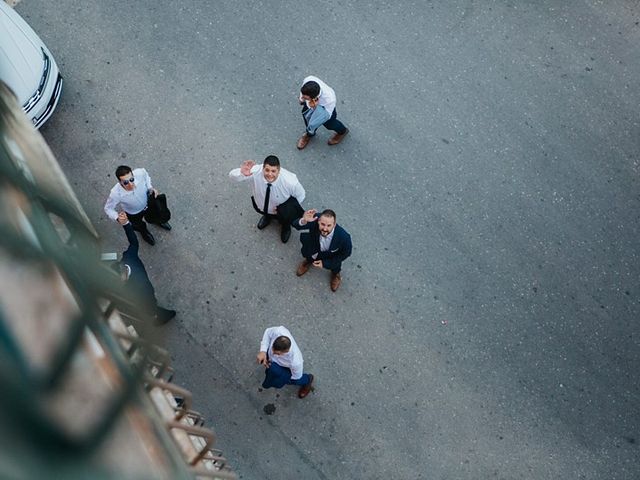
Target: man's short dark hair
122, 170
310, 89
281, 344
272, 161
329, 213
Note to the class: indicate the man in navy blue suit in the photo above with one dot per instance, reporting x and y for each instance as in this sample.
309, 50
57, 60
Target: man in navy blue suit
325, 245
134, 273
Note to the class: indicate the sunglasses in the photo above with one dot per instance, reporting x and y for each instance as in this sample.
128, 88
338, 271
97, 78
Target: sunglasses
127, 181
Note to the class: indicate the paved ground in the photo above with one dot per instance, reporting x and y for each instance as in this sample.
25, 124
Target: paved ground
487, 326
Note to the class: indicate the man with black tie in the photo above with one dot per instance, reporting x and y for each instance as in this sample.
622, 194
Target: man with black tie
133, 272
326, 245
277, 193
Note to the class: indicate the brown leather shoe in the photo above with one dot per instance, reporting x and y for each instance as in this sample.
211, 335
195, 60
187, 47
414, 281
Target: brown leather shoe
303, 141
335, 281
337, 138
306, 389
303, 268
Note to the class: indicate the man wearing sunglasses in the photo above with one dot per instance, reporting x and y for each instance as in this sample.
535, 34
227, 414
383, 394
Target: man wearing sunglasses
131, 195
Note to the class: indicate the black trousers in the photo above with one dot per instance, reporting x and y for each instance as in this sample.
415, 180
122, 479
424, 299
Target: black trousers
287, 212
137, 221
150, 213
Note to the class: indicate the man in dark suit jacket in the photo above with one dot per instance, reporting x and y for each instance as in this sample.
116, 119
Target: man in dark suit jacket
325, 245
134, 273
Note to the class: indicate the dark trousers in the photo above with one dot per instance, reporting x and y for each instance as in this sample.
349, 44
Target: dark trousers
332, 124
137, 221
310, 259
277, 376
286, 213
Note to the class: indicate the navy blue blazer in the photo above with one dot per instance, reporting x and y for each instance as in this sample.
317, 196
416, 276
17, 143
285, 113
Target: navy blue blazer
138, 278
339, 249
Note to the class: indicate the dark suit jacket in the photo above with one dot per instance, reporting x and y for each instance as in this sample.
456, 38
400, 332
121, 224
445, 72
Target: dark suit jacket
339, 249
157, 210
139, 280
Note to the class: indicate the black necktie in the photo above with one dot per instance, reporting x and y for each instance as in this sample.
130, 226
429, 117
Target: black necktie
265, 209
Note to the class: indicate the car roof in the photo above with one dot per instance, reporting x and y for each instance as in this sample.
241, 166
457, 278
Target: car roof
21, 54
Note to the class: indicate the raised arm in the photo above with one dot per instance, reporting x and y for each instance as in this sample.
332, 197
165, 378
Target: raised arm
131, 234
244, 172
303, 223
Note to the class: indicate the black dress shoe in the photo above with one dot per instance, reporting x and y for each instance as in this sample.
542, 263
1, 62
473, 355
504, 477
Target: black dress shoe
285, 233
264, 221
165, 225
147, 237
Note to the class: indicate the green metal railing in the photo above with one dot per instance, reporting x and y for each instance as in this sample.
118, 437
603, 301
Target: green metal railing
41, 223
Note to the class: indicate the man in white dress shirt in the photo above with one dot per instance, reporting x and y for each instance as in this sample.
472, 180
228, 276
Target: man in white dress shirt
318, 102
277, 193
280, 354
130, 194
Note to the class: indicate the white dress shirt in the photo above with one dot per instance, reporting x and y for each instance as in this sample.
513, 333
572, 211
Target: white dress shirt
327, 97
292, 359
285, 186
133, 201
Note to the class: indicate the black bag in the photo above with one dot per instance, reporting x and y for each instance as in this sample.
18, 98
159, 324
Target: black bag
157, 211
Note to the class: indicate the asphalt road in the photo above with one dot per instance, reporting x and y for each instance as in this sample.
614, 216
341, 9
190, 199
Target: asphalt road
487, 325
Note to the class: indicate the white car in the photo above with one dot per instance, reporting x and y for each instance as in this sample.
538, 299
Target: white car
27, 67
